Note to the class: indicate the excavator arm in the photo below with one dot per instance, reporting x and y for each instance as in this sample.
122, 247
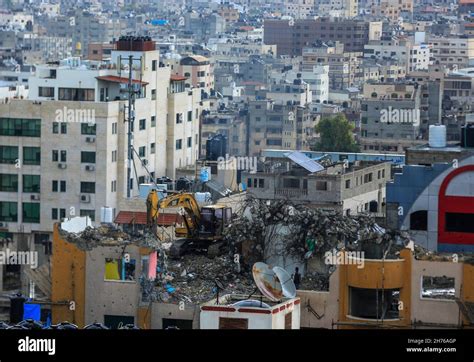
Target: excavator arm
185, 200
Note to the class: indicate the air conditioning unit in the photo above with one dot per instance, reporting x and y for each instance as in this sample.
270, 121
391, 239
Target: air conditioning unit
62, 166
35, 197
85, 198
3, 225
90, 168
90, 139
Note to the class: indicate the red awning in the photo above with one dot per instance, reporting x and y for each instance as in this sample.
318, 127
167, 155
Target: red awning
176, 78
116, 79
139, 218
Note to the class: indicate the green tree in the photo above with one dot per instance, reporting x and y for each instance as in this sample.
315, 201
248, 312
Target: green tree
336, 135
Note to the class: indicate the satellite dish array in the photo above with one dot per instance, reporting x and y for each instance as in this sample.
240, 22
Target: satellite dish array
274, 283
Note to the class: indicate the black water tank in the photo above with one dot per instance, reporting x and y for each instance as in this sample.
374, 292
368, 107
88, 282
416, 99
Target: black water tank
216, 147
17, 303
467, 136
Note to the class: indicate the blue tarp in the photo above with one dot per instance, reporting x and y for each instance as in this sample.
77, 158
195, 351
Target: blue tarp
32, 311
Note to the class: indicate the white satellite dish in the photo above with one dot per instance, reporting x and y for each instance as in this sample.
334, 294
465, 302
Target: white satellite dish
287, 285
267, 281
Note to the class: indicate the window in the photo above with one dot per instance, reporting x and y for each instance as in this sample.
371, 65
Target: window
8, 183
88, 187
63, 128
374, 303
153, 94
261, 183
90, 213
179, 118
153, 121
88, 129
348, 184
290, 183
87, 157
190, 116
113, 186
439, 287
368, 177
76, 94
153, 65
61, 184
114, 156
142, 124
419, 220
31, 156
63, 157
31, 212
8, 154
458, 222
20, 127
119, 269
46, 92
8, 211
321, 185
190, 142
152, 148
58, 214
179, 144
142, 151
31, 183
55, 156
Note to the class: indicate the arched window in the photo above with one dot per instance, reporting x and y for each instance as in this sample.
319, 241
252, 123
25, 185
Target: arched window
419, 220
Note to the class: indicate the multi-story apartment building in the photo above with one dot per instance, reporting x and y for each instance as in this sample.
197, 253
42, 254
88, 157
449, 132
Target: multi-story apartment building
298, 9
198, 70
318, 80
403, 51
344, 67
359, 187
279, 126
390, 116
391, 9
452, 52
64, 151
292, 36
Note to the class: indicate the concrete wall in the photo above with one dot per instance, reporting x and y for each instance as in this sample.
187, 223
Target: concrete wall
435, 310
325, 304
110, 297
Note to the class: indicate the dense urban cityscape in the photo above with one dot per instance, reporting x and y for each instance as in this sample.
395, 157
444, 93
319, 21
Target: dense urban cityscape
244, 164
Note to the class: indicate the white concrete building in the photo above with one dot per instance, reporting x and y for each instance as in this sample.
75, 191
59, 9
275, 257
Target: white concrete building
63, 152
414, 56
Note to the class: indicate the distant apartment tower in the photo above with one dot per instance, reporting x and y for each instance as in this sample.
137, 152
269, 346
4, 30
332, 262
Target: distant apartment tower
452, 52
292, 36
278, 126
298, 9
390, 117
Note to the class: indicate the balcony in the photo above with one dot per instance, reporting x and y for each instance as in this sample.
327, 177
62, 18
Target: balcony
291, 193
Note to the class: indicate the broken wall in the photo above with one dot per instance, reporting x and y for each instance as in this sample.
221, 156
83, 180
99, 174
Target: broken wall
440, 311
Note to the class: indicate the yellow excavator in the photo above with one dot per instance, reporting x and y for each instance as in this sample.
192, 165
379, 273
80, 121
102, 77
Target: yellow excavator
203, 226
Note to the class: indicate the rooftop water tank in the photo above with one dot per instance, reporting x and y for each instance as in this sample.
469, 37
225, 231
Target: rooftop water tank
437, 136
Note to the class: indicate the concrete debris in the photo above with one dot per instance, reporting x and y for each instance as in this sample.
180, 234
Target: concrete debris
310, 232
192, 279
108, 235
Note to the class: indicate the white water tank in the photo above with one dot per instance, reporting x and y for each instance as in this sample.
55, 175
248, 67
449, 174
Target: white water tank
437, 136
106, 215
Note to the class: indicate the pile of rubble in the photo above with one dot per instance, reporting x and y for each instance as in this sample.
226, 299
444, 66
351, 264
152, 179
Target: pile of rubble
196, 279
108, 235
310, 232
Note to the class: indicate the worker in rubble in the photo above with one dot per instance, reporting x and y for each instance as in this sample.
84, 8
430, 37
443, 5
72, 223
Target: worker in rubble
297, 278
